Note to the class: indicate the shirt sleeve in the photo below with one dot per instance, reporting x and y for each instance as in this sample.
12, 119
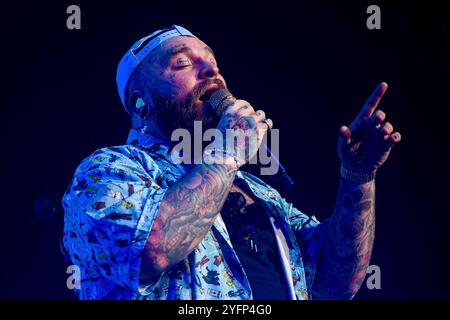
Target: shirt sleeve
109, 211
310, 234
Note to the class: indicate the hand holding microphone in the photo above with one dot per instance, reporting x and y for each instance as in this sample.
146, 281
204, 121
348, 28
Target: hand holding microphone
240, 115
240, 122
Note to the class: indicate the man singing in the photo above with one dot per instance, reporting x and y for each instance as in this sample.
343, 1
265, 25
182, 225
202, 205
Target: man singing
141, 226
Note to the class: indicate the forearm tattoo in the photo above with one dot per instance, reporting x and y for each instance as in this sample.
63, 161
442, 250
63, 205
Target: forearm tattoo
186, 213
349, 241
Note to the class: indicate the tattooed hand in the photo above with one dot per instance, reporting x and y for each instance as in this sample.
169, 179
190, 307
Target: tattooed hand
364, 146
241, 121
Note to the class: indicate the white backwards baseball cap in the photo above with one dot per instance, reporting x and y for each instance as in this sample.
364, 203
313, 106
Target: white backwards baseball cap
137, 53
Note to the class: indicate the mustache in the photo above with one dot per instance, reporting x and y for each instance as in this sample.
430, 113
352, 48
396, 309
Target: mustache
172, 115
200, 89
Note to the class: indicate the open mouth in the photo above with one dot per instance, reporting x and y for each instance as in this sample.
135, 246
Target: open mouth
208, 93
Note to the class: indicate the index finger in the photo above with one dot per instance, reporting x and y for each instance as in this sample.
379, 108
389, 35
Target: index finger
372, 103
232, 105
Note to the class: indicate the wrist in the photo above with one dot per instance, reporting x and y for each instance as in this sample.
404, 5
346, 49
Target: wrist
222, 157
357, 177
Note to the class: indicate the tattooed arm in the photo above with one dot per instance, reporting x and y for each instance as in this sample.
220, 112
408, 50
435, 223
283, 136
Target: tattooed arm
191, 205
348, 244
186, 213
363, 147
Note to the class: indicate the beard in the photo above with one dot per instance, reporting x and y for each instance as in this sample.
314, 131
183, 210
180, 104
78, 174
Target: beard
171, 115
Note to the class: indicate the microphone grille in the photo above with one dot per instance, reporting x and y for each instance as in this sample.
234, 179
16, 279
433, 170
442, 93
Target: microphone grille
217, 98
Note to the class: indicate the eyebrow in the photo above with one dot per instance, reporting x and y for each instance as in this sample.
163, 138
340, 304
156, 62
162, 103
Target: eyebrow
178, 49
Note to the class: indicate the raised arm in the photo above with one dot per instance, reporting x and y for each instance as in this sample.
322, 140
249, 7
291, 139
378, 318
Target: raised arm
362, 147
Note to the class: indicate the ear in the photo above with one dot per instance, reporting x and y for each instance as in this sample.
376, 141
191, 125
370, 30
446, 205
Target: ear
138, 105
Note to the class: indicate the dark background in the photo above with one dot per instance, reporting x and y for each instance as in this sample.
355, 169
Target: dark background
310, 66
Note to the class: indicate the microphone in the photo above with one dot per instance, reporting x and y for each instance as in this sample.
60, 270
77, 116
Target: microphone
219, 101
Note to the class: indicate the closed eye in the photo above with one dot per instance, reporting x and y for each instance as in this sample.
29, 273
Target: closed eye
181, 61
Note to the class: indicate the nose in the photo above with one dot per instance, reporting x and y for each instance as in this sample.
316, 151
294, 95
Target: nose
208, 70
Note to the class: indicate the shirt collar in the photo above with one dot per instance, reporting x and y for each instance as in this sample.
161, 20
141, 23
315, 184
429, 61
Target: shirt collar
137, 137
154, 144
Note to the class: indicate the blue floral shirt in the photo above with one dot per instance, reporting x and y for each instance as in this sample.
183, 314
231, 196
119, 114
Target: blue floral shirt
110, 207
